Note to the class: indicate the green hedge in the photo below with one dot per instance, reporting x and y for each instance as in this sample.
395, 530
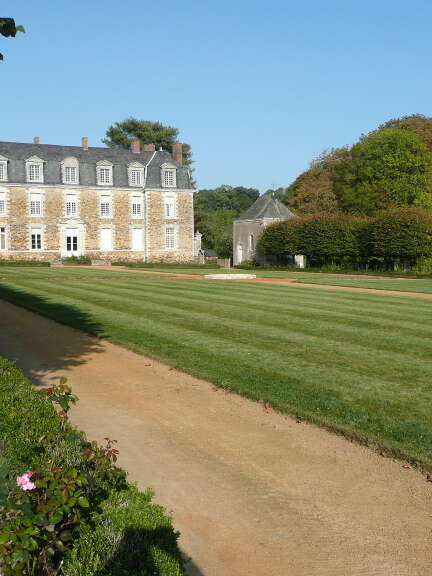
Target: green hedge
77, 260
398, 235
33, 437
5, 262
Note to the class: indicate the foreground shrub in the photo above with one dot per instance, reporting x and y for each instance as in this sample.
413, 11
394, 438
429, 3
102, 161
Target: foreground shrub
51, 478
129, 535
77, 260
281, 240
400, 235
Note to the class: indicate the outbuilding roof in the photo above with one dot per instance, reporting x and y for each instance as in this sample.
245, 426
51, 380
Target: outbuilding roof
267, 206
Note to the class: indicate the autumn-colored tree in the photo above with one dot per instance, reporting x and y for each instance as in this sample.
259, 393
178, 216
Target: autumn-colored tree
312, 192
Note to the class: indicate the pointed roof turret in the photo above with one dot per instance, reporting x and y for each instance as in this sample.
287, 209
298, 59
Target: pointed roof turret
267, 207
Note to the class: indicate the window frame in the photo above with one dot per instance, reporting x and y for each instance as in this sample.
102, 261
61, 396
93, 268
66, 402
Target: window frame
4, 238
166, 170
70, 163
137, 201
170, 200
40, 201
3, 169
4, 201
136, 167
106, 199
35, 231
71, 197
169, 248
100, 168
35, 161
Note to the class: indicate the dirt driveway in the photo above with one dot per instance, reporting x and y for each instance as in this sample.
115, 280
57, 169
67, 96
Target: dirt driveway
253, 493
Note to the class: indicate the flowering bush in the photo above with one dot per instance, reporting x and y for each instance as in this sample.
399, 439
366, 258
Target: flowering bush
41, 509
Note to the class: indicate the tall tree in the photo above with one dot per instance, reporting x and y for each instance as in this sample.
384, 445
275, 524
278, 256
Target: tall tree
387, 168
121, 134
416, 123
9, 29
312, 192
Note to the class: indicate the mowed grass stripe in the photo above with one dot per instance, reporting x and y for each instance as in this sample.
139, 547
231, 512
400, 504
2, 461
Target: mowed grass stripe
359, 381
299, 344
342, 386
335, 332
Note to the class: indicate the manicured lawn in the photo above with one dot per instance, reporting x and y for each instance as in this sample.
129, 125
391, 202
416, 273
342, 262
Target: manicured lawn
359, 281
360, 364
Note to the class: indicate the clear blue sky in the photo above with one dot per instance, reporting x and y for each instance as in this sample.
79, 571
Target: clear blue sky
257, 88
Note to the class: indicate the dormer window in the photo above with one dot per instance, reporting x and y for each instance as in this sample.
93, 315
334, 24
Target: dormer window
168, 176
70, 171
3, 169
34, 169
104, 171
136, 174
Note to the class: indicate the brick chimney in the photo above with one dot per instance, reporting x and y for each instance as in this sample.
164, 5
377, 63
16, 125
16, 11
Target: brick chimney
36, 140
177, 152
84, 142
135, 146
149, 147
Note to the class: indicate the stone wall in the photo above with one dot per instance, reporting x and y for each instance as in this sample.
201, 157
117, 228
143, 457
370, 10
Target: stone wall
53, 221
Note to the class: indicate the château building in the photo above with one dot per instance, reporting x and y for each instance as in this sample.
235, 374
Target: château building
105, 203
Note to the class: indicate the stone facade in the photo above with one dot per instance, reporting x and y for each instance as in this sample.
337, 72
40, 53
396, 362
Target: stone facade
161, 229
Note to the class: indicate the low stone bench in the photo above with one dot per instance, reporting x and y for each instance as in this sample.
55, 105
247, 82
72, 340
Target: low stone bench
230, 276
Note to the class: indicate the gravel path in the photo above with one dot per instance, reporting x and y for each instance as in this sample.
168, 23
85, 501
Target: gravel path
253, 493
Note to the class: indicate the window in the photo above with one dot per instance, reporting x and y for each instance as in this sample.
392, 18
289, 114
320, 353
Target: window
2, 238
136, 174
71, 241
169, 238
70, 176
104, 173
34, 169
2, 203
106, 239
137, 238
3, 169
168, 175
70, 171
35, 204
251, 243
170, 205
36, 239
169, 178
136, 207
105, 207
71, 205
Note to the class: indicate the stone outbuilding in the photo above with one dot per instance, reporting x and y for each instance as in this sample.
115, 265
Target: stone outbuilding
267, 209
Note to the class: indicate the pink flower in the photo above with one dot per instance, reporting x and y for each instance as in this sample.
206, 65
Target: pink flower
24, 481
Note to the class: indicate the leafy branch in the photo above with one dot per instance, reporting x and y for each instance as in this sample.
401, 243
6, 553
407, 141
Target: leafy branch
9, 29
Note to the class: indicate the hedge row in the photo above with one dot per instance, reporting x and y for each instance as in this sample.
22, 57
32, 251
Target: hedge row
77, 514
7, 262
399, 235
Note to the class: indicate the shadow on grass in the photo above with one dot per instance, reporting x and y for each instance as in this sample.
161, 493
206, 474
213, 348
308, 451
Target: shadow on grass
163, 554
37, 350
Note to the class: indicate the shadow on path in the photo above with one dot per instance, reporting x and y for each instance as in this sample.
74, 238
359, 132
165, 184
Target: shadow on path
50, 353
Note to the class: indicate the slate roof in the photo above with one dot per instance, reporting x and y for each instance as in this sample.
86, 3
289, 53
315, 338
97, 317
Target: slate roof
267, 206
17, 154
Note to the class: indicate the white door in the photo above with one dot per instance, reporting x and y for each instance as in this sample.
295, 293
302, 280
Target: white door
137, 239
106, 239
239, 253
